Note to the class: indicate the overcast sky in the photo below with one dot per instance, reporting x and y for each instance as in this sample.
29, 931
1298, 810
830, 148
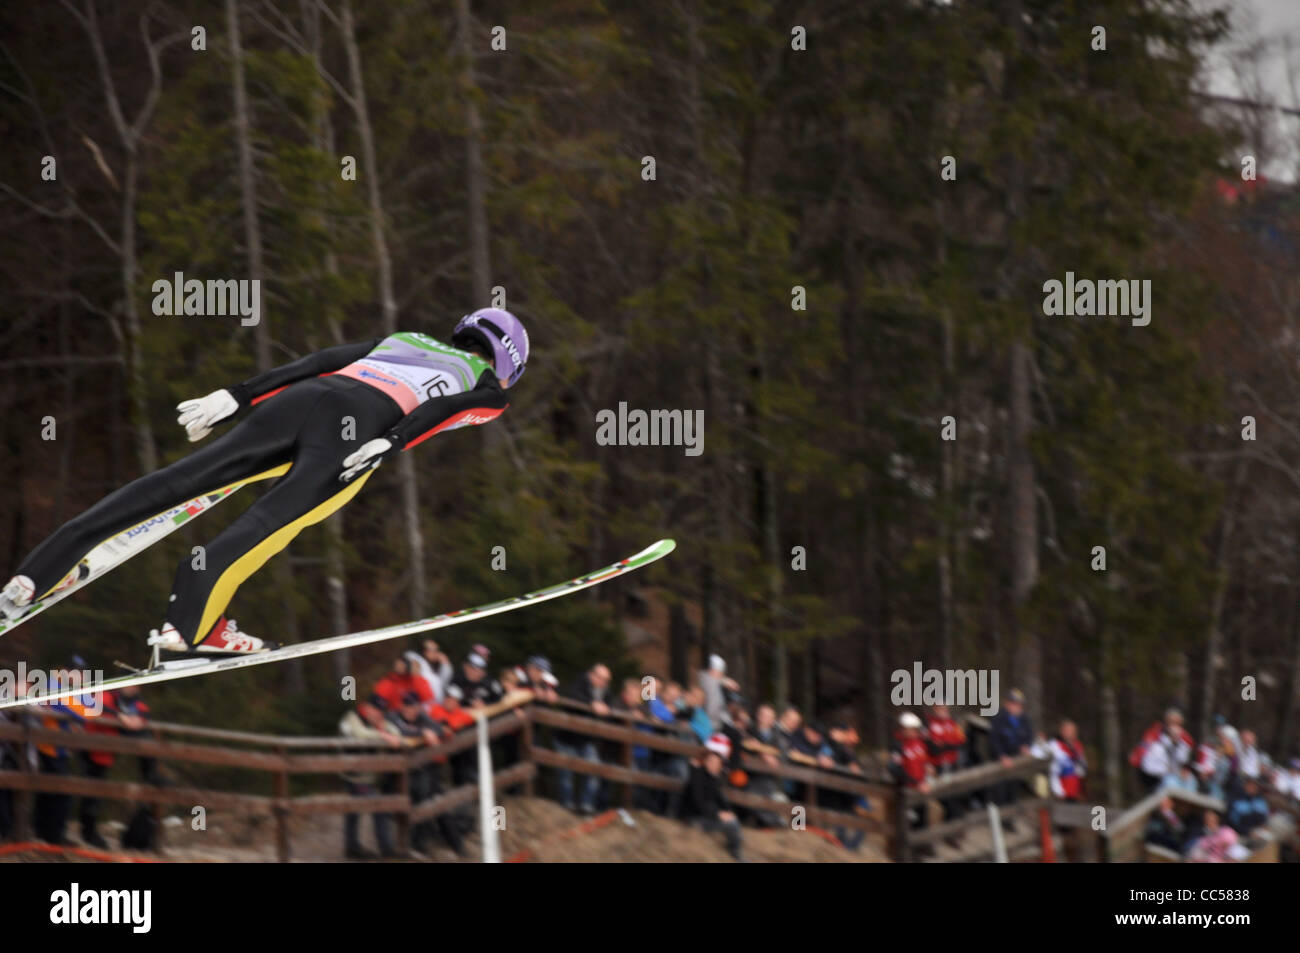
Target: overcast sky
1266, 26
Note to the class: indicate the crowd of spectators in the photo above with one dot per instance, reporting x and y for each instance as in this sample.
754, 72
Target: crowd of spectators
712, 713
927, 749
424, 689
424, 699
51, 812
1229, 767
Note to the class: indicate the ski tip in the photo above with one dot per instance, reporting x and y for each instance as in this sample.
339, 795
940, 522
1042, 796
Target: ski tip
655, 550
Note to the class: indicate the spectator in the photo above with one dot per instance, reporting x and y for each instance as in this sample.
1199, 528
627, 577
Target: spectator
1217, 763
766, 737
706, 807
662, 709
512, 679
767, 743
693, 710
1069, 763
947, 740
1216, 845
843, 743
809, 746
50, 811
788, 725
413, 723
672, 695
1010, 735
451, 714
910, 764
1181, 780
1010, 732
909, 759
1041, 748
1287, 782
1165, 828
630, 705
590, 689
1249, 809
400, 680
12, 757
717, 689
629, 701
477, 688
432, 665
367, 722
735, 726
127, 707
662, 705
1163, 747
536, 677
1250, 760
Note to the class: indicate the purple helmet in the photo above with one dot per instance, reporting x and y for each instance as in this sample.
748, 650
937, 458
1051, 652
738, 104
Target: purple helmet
503, 336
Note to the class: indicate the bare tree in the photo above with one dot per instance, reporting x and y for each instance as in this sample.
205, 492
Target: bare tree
129, 134
370, 171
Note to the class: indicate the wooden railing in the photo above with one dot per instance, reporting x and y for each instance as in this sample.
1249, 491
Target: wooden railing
813, 780
283, 758
991, 777
1124, 839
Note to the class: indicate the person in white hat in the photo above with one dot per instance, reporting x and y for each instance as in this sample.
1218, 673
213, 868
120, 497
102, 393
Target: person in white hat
716, 684
706, 806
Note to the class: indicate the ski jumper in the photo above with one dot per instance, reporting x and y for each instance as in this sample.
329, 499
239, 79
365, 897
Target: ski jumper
405, 387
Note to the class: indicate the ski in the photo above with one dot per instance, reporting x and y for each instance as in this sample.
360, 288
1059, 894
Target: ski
116, 550
189, 667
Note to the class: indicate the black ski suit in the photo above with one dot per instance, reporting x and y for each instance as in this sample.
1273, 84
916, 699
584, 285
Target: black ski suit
322, 408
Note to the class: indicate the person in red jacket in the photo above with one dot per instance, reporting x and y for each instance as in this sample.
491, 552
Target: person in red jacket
947, 738
393, 687
910, 762
450, 712
910, 759
1069, 764
126, 706
1164, 748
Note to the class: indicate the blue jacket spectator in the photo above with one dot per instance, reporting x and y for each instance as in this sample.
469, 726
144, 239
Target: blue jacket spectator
1011, 733
1247, 810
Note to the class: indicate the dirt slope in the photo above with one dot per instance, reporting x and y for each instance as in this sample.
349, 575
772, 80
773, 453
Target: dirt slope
537, 830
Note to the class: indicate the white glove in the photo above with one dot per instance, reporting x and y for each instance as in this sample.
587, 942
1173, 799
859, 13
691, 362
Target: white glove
371, 454
198, 416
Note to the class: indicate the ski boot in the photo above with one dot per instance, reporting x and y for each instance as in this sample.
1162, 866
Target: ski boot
16, 597
224, 640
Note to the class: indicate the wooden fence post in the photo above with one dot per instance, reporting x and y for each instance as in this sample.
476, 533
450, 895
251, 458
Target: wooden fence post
404, 818
282, 810
629, 764
24, 801
902, 825
526, 746
156, 809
